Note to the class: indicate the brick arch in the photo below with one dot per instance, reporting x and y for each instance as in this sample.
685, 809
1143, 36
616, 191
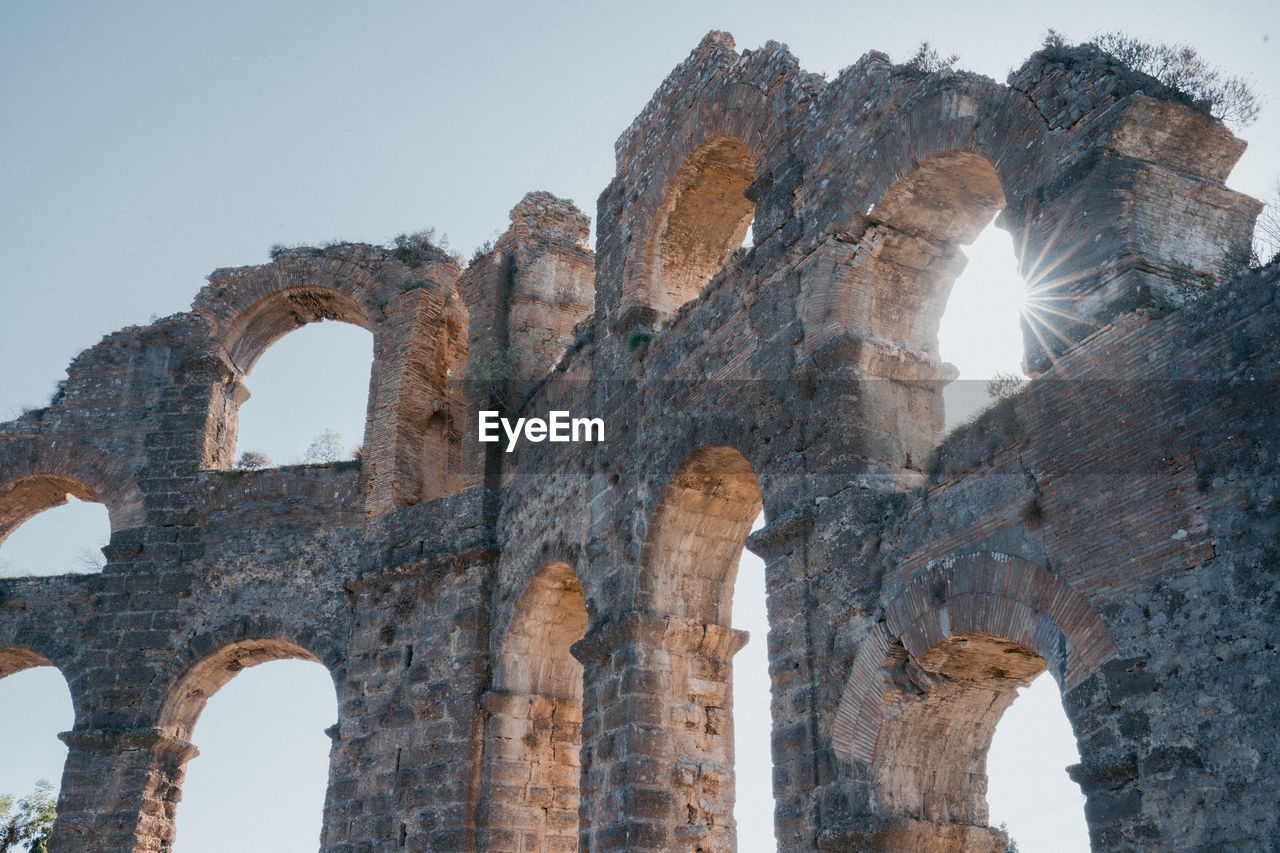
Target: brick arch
534, 731
996, 595
272, 317
249, 309
38, 475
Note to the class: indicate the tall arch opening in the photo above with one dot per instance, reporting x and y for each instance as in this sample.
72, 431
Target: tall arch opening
1027, 790
702, 220
35, 706
958, 294
51, 524
534, 730
263, 749
689, 567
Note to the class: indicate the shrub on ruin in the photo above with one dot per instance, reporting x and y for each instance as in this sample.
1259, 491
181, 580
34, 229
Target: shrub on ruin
421, 246
1181, 68
252, 460
1004, 385
926, 60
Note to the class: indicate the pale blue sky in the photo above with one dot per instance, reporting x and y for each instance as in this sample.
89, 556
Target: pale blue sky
145, 144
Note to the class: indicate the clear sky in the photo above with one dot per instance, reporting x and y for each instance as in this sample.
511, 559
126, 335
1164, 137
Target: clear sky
145, 144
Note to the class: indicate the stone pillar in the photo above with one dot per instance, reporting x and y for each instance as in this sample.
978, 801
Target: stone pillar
801, 767
119, 791
416, 412
531, 773
657, 755
526, 295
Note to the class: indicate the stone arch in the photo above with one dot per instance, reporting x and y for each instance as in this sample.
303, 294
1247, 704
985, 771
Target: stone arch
930, 683
273, 316
179, 711
419, 326
255, 313
683, 644
550, 616
39, 475
696, 535
534, 730
188, 694
701, 219
893, 289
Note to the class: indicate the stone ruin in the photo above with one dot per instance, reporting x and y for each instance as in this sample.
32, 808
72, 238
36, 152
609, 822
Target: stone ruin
532, 650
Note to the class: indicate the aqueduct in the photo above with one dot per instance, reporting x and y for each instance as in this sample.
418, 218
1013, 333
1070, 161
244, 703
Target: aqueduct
532, 650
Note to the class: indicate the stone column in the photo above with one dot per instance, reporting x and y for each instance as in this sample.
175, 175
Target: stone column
800, 766
657, 755
120, 790
531, 773
416, 411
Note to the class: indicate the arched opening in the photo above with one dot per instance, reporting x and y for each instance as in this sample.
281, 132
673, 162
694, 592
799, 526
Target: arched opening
1028, 789
317, 381
702, 221
697, 535
689, 566
929, 685
310, 397
51, 524
534, 731
914, 240
35, 706
930, 770
260, 736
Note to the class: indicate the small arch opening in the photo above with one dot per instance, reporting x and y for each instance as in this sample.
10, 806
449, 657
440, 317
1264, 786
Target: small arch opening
35, 706
310, 398
702, 221
50, 525
258, 711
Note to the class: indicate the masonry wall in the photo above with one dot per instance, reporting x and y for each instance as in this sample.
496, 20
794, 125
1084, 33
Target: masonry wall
1112, 524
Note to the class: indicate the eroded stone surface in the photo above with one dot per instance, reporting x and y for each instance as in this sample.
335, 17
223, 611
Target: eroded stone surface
531, 650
